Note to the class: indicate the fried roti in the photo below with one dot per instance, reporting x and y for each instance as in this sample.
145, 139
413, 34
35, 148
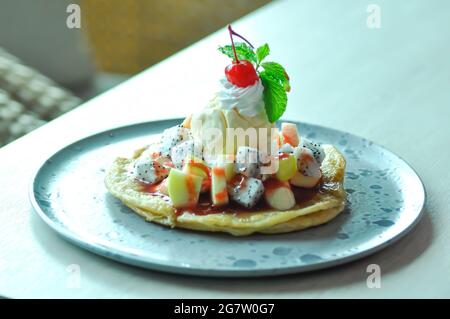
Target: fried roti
327, 201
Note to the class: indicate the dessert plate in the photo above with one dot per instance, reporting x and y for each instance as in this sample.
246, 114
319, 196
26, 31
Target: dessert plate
385, 199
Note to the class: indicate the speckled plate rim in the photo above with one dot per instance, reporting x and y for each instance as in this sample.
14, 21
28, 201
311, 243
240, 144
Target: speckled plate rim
107, 249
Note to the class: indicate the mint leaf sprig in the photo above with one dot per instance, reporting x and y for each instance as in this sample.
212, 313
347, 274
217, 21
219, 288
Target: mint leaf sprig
243, 51
262, 52
273, 76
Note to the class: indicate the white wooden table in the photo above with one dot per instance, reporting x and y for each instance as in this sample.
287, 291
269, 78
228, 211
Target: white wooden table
390, 85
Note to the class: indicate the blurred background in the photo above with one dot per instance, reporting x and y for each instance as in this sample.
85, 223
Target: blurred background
47, 68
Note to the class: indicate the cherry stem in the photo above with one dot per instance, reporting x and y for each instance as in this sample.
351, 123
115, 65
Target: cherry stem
232, 43
232, 32
239, 36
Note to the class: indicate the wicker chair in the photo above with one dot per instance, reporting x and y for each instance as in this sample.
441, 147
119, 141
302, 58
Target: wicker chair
28, 99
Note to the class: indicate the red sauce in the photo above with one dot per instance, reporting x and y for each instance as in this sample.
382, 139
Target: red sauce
286, 139
190, 186
154, 155
272, 183
220, 196
205, 206
161, 170
150, 188
304, 194
238, 181
206, 183
201, 166
169, 164
219, 171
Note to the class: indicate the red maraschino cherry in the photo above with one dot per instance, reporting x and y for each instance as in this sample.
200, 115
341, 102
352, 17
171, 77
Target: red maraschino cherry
240, 73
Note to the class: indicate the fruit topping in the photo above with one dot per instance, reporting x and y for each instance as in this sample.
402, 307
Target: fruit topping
185, 149
248, 161
245, 191
219, 192
278, 194
309, 173
287, 167
196, 166
149, 171
183, 188
171, 137
290, 134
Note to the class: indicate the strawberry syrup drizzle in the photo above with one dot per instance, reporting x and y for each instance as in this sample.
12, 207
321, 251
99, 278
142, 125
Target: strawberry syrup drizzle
206, 207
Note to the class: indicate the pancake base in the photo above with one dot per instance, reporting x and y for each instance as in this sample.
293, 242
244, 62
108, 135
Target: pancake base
322, 207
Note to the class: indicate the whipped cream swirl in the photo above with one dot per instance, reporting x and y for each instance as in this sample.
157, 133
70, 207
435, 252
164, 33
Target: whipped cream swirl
247, 101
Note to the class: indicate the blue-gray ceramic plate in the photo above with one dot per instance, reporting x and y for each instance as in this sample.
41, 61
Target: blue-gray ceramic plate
385, 200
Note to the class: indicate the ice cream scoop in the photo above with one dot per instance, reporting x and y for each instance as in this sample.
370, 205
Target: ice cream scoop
235, 116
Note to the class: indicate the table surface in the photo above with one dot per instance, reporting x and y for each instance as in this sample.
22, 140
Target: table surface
390, 85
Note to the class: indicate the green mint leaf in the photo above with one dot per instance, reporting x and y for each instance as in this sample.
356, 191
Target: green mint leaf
243, 51
262, 52
276, 71
275, 97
